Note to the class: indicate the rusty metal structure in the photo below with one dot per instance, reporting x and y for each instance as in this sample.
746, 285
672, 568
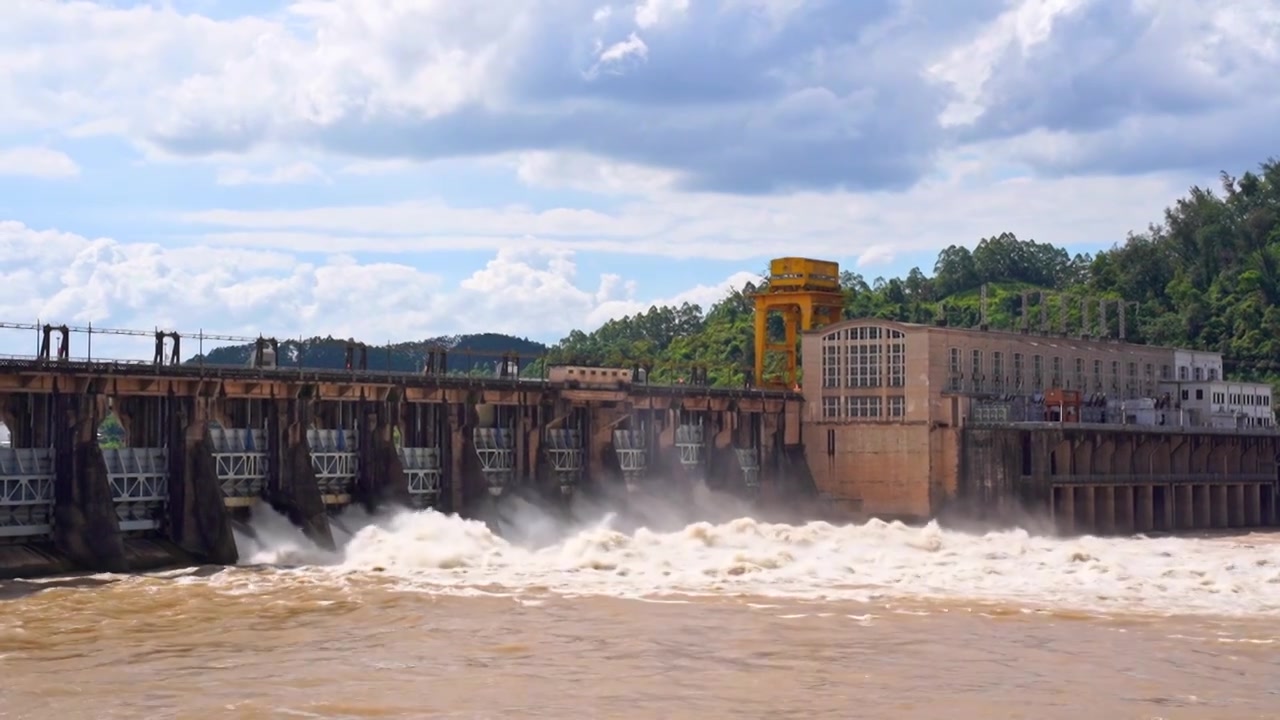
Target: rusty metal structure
806, 293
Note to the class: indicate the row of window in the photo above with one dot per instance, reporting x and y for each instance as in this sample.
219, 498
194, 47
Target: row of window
1196, 373
974, 377
1237, 399
864, 357
863, 407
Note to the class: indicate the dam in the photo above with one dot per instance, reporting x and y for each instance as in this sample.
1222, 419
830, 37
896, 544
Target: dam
202, 443
1074, 432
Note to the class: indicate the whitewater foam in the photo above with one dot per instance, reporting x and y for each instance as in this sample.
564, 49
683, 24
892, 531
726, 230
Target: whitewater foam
429, 551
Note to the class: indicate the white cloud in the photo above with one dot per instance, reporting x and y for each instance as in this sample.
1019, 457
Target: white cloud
588, 173
652, 12
291, 174
690, 87
691, 105
968, 67
37, 162
613, 58
963, 202
60, 277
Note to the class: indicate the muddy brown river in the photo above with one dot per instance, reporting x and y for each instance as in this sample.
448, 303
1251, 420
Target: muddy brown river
419, 615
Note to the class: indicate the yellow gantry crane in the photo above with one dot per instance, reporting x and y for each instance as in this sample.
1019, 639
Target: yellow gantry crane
807, 294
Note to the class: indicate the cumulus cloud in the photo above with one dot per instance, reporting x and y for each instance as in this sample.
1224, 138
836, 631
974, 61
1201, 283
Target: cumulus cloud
37, 162
293, 173
61, 277
960, 203
1105, 86
728, 95
689, 87
730, 130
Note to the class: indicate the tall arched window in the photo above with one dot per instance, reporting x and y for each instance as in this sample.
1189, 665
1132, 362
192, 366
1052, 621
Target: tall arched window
864, 357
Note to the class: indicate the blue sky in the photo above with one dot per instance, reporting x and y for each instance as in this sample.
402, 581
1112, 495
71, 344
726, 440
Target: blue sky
391, 170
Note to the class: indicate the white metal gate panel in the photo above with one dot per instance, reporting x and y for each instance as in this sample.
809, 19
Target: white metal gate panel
422, 469
334, 459
241, 461
26, 492
139, 479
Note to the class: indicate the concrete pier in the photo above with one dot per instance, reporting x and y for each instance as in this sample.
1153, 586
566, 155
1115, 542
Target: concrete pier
1123, 480
204, 444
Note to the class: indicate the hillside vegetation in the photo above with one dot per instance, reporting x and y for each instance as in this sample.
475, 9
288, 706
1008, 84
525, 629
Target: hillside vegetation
468, 354
1205, 276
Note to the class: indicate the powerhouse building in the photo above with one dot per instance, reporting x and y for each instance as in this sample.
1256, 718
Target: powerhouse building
885, 402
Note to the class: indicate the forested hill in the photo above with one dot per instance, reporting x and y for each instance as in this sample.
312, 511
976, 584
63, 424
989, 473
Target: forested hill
466, 353
1206, 276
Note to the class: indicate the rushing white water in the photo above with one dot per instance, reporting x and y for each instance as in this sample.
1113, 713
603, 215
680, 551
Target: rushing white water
433, 552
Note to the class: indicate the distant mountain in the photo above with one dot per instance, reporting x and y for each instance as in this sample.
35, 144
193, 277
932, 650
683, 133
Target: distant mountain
479, 353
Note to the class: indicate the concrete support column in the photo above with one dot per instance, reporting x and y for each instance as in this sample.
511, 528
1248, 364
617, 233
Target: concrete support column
381, 479
458, 429
1269, 506
1144, 509
1203, 507
1123, 510
1235, 506
1085, 510
1104, 498
199, 523
1184, 508
1064, 509
85, 526
1218, 512
1253, 505
1166, 513
529, 443
292, 488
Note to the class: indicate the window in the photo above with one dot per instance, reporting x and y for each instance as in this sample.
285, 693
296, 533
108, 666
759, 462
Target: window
1057, 372
1097, 375
1037, 373
830, 407
975, 366
854, 357
953, 382
1149, 377
897, 406
1081, 381
897, 362
1166, 372
1199, 393
830, 364
1213, 373
1198, 374
864, 363
997, 371
1183, 373
1131, 380
864, 407
1115, 377
1017, 371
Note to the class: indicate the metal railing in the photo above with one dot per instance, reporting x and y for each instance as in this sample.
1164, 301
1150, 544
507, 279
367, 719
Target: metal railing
54, 352
1129, 427
1163, 479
